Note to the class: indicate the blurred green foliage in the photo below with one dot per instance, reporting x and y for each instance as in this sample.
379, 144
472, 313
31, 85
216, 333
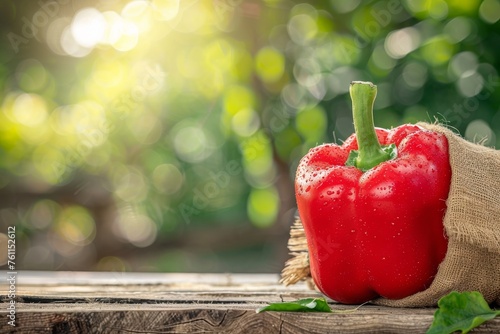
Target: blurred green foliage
126, 124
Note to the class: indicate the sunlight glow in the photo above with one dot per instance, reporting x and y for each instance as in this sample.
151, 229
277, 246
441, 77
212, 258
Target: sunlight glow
114, 27
165, 9
71, 46
129, 37
88, 27
140, 13
29, 109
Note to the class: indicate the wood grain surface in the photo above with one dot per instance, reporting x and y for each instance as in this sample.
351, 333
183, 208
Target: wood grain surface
87, 302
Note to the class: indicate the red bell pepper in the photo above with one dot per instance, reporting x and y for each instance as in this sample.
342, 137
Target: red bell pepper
372, 208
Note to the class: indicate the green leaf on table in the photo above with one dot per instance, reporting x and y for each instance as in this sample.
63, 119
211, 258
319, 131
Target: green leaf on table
301, 305
461, 312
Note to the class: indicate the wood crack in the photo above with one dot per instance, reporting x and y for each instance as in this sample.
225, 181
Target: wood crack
118, 300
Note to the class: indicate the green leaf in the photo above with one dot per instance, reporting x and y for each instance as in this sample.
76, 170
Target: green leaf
461, 312
301, 305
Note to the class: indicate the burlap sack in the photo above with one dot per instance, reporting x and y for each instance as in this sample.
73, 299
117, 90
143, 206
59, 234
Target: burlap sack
472, 223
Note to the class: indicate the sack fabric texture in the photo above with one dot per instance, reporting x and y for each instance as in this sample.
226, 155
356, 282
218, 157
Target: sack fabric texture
472, 224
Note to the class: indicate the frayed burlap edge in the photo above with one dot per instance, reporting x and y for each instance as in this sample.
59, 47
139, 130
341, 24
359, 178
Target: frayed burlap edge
297, 267
472, 223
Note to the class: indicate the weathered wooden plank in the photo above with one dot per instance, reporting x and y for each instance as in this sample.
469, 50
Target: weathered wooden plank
224, 319
189, 303
44, 287
121, 278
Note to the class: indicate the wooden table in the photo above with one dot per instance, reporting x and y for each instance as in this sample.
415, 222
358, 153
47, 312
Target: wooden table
97, 302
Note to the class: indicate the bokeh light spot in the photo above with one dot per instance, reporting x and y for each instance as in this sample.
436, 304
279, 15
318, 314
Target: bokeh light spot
463, 62
136, 228
76, 225
438, 9
269, 64
307, 72
191, 143
401, 42
194, 18
139, 12
70, 46
238, 98
302, 28
43, 213
245, 123
437, 50
130, 185
88, 27
489, 11
297, 96
263, 206
311, 123
381, 59
458, 29
31, 75
54, 34
469, 7
219, 54
112, 264
345, 50
113, 28
344, 6
286, 141
470, 84
414, 75
166, 10
51, 163
128, 37
167, 179
257, 160
29, 109
479, 130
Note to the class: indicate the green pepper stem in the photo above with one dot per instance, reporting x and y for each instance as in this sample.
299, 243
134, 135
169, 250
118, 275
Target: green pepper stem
370, 152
